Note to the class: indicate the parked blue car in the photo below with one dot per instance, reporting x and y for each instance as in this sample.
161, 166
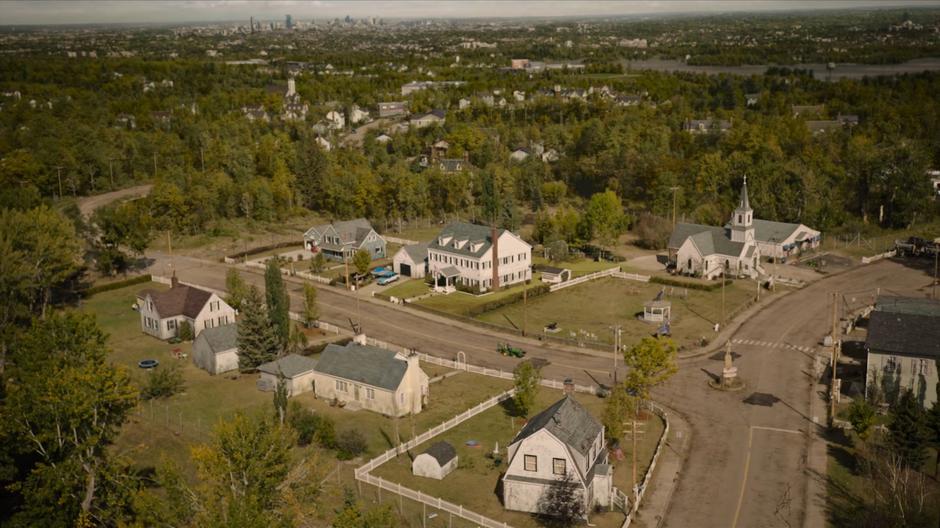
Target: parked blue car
388, 279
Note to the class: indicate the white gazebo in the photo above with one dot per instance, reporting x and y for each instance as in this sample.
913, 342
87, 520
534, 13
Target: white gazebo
657, 310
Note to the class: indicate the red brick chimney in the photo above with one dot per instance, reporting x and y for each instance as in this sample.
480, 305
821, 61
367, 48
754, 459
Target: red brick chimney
569, 386
494, 235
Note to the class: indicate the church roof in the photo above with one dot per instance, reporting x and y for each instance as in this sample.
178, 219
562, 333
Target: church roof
709, 240
745, 204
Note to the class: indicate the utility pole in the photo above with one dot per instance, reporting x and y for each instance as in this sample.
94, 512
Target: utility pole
617, 330
346, 267
936, 255
154, 164
202, 158
723, 280
58, 170
525, 302
636, 411
674, 189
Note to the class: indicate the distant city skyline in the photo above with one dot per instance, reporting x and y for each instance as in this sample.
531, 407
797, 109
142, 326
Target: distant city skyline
38, 12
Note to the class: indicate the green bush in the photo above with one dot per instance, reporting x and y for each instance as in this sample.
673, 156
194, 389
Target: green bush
185, 331
351, 443
311, 427
679, 283
117, 285
163, 382
534, 291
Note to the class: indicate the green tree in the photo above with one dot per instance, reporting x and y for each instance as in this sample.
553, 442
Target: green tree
352, 516
362, 260
235, 287
933, 424
65, 403
318, 263
908, 434
185, 332
562, 504
649, 363
526, 379
311, 310
278, 301
862, 417
163, 382
618, 406
604, 219
280, 399
257, 341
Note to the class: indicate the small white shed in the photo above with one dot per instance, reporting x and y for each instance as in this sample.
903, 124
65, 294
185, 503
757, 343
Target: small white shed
215, 350
552, 275
436, 462
296, 370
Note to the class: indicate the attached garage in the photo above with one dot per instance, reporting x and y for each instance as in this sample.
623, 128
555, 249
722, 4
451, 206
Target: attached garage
411, 261
295, 370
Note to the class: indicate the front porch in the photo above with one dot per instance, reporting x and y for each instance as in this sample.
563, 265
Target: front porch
445, 280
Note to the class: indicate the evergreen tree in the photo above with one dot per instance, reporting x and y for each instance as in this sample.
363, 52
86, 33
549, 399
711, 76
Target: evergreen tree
562, 504
278, 302
933, 424
257, 341
236, 288
526, 378
311, 311
908, 431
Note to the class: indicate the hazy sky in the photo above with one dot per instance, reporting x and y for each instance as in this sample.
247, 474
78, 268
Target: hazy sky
94, 11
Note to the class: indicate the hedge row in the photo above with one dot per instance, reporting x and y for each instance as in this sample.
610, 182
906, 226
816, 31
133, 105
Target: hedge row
539, 289
261, 249
117, 285
679, 283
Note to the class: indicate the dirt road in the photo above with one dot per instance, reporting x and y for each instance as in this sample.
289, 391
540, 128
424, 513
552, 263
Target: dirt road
88, 204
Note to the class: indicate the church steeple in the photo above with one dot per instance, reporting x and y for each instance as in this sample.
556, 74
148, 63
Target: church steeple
742, 220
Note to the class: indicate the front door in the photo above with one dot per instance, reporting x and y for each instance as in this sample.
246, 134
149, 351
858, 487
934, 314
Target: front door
356, 392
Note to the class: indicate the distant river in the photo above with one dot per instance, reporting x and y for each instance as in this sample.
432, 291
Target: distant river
842, 70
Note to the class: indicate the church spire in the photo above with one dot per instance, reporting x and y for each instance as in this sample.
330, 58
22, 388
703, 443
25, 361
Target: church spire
745, 204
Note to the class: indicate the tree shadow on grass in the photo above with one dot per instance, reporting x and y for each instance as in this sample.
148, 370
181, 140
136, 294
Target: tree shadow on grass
510, 408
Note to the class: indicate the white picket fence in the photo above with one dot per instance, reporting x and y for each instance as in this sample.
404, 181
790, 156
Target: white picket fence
612, 272
641, 489
886, 254
402, 241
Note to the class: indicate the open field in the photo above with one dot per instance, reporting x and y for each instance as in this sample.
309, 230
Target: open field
167, 427
594, 306
232, 235
578, 267
474, 483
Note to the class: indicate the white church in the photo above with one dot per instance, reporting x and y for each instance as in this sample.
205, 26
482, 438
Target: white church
737, 247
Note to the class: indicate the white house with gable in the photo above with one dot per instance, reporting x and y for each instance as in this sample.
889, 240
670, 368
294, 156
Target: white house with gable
478, 257
562, 439
162, 312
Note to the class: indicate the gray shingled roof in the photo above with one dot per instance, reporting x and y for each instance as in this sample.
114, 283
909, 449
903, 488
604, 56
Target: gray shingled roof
417, 252
568, 421
365, 364
442, 452
764, 230
710, 240
178, 300
905, 334
219, 338
349, 231
468, 232
289, 366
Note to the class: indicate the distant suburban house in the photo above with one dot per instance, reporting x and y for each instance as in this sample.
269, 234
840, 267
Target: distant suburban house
737, 247
934, 176
125, 121
411, 261
162, 312
751, 99
215, 349
294, 370
520, 154
324, 143
255, 113
434, 117
161, 118
371, 378
435, 462
452, 165
294, 111
335, 120
463, 103
706, 126
415, 86
345, 238
383, 138
550, 156
357, 115
563, 439
392, 109
904, 348
817, 127
478, 257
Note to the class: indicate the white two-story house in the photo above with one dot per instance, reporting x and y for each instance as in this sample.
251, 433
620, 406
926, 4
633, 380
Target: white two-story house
562, 439
466, 254
162, 312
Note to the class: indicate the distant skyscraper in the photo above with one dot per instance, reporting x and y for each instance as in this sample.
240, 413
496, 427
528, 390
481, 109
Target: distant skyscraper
289, 22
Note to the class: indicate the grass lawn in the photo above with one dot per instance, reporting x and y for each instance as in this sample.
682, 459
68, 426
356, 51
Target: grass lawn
421, 233
594, 306
460, 303
407, 289
473, 484
578, 267
232, 235
877, 241
168, 427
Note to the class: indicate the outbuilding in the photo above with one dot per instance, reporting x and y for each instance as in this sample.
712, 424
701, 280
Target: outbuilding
552, 275
411, 261
436, 462
657, 310
296, 370
215, 350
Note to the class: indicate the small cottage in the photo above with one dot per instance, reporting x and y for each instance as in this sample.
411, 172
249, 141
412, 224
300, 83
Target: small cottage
436, 462
296, 370
552, 275
215, 350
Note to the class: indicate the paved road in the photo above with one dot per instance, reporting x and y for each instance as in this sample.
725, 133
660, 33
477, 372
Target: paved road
88, 204
748, 463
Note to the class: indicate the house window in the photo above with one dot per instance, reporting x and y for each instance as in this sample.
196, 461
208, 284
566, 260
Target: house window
370, 393
558, 466
341, 386
171, 324
891, 364
530, 463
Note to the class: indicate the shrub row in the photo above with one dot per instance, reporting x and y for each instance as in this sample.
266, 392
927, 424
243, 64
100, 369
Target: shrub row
539, 289
261, 249
679, 283
117, 285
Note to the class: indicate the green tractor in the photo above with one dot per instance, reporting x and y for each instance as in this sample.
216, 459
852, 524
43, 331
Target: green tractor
508, 350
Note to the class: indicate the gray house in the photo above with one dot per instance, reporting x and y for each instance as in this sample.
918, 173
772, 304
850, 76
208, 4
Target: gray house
904, 348
295, 370
215, 349
347, 237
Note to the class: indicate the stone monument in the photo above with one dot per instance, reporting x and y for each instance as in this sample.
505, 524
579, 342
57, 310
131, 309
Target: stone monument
729, 374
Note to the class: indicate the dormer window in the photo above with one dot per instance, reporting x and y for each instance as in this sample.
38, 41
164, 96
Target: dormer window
444, 240
739, 219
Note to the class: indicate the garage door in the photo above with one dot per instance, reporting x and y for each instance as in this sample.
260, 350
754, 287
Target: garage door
405, 269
